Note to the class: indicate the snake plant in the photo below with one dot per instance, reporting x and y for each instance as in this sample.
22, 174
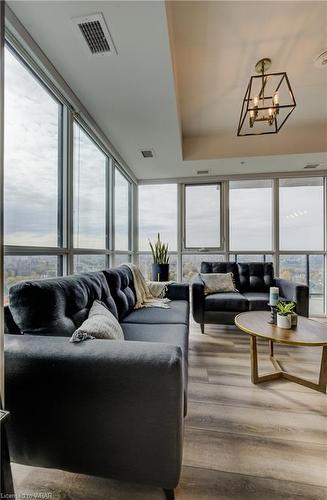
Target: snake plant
285, 308
159, 251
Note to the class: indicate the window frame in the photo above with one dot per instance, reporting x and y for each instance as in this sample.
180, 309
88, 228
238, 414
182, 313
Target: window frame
204, 249
119, 251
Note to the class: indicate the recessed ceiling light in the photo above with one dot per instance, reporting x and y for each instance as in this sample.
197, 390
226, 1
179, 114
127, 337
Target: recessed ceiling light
321, 60
311, 165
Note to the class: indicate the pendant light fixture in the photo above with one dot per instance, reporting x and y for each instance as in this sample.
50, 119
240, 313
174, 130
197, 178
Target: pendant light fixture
268, 102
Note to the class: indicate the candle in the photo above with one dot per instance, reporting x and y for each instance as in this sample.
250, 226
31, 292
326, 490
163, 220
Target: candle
255, 101
270, 112
276, 98
273, 295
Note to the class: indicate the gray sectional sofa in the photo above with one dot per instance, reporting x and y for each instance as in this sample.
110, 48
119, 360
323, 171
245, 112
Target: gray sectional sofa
102, 407
252, 280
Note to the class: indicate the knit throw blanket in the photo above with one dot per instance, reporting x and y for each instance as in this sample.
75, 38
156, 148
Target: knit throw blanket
144, 297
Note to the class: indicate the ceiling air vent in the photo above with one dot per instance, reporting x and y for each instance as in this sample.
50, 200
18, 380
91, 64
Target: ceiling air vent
312, 165
147, 153
95, 34
202, 172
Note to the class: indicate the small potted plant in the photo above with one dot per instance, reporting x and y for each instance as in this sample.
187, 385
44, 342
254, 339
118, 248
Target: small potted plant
285, 311
160, 266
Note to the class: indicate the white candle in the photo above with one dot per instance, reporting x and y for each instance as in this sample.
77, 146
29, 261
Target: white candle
273, 295
276, 98
255, 100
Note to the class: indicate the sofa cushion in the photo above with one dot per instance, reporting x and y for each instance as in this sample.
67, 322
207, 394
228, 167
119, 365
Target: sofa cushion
231, 301
258, 301
256, 276
120, 282
174, 334
222, 267
178, 312
57, 306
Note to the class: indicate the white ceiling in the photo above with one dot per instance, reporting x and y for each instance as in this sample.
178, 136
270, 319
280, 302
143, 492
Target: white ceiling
132, 95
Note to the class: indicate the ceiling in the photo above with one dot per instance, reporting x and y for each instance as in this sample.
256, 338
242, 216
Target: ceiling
177, 82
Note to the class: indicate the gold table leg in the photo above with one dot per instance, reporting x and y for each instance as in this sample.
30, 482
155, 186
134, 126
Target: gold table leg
281, 373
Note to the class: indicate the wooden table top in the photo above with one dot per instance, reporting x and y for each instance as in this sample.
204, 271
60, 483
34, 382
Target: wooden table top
307, 332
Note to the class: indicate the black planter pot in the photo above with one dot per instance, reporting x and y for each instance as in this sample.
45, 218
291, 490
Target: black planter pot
160, 272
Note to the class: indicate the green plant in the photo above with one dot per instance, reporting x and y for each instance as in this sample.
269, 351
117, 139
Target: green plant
285, 308
159, 251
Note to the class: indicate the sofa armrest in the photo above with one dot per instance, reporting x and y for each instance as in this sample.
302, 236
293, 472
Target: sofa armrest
178, 291
101, 407
296, 292
198, 300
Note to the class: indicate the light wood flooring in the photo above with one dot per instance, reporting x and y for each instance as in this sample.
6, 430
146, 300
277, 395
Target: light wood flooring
265, 442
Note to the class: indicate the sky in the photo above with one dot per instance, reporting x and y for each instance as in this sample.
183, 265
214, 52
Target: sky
31, 187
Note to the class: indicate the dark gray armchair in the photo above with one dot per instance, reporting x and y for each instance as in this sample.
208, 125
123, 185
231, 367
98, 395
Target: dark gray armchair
252, 280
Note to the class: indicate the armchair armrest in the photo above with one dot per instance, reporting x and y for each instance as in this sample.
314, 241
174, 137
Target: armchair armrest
178, 291
101, 407
198, 300
296, 292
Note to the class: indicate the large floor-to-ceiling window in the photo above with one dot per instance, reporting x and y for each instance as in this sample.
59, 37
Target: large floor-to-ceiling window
64, 212
302, 235
279, 220
157, 213
32, 173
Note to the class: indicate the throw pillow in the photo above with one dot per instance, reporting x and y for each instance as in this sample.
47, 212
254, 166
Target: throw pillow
218, 282
100, 324
158, 289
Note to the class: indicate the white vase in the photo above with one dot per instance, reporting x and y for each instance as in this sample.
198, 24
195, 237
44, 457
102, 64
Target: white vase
284, 321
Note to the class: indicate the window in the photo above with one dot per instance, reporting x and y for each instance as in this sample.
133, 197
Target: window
122, 212
192, 264
250, 215
157, 213
309, 270
87, 263
32, 165
121, 258
301, 218
202, 216
20, 268
90, 179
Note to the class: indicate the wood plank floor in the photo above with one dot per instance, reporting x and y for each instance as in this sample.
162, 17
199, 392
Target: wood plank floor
266, 442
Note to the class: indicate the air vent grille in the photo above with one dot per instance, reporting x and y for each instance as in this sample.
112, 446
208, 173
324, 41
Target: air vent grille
147, 153
95, 34
202, 172
312, 165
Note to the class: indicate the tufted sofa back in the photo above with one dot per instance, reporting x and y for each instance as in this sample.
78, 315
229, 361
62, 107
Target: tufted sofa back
256, 276
57, 306
248, 277
120, 282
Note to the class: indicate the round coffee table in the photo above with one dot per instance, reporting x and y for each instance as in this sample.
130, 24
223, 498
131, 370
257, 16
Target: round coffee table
307, 333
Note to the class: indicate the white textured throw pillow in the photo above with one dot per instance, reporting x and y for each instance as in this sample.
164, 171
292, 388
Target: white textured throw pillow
218, 282
101, 324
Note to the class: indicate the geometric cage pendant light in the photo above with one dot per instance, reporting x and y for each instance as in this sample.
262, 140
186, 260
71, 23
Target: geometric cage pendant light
268, 102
